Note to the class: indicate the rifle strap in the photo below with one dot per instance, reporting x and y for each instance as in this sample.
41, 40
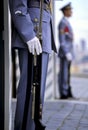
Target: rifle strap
40, 20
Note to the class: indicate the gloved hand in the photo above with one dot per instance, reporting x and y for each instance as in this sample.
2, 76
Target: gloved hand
69, 56
34, 46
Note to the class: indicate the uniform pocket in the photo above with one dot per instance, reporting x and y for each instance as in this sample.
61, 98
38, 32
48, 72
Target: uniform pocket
35, 13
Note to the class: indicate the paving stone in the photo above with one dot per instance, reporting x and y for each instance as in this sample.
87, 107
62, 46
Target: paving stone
67, 128
83, 128
63, 116
71, 123
84, 121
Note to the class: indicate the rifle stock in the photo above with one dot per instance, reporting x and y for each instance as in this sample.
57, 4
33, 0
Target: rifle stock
36, 87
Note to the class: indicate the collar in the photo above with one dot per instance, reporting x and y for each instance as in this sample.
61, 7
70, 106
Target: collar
66, 18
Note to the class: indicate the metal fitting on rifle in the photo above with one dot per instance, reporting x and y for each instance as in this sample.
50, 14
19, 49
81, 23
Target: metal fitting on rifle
36, 27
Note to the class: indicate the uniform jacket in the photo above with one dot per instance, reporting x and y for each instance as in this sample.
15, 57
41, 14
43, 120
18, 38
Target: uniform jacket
24, 23
65, 37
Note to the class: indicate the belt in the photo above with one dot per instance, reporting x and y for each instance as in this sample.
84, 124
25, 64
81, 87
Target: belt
36, 4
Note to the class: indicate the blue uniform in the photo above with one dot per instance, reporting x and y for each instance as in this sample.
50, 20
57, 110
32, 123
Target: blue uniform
24, 20
65, 39
24, 23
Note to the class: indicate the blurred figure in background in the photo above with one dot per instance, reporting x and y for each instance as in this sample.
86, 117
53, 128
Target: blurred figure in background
65, 51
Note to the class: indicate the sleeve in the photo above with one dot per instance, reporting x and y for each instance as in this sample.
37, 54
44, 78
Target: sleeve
21, 19
63, 30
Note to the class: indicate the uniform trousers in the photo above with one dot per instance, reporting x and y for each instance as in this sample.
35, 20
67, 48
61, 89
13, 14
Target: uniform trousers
64, 77
23, 115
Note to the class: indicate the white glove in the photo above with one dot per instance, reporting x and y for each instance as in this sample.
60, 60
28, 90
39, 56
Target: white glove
34, 46
69, 56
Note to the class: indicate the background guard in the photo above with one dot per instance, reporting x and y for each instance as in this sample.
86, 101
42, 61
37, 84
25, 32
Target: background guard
65, 50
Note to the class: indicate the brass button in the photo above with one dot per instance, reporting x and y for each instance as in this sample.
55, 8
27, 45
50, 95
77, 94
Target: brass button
35, 20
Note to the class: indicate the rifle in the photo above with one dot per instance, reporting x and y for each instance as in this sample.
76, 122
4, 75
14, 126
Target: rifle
37, 70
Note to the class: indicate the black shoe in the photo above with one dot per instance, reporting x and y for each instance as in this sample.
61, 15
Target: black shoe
70, 95
64, 97
40, 126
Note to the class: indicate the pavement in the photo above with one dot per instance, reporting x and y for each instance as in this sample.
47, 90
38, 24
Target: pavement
63, 115
66, 115
79, 86
71, 114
